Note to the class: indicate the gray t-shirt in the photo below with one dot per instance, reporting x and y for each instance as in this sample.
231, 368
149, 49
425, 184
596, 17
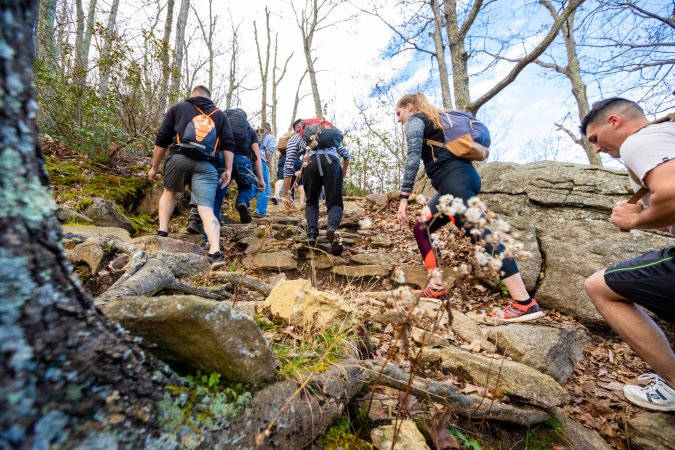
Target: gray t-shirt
647, 149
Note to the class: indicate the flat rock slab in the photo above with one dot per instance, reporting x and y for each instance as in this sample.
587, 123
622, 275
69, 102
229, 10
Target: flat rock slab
408, 437
514, 379
363, 271
84, 231
553, 351
322, 261
278, 261
66, 215
375, 259
201, 334
578, 436
154, 244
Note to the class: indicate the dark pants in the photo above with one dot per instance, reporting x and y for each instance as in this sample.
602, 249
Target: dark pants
331, 182
464, 183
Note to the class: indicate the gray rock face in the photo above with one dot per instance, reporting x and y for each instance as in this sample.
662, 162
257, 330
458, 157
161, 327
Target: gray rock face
515, 379
278, 261
378, 201
149, 204
652, 431
567, 206
104, 214
579, 437
553, 351
198, 333
66, 215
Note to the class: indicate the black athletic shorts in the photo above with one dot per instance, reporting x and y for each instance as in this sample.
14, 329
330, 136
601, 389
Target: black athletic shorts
648, 280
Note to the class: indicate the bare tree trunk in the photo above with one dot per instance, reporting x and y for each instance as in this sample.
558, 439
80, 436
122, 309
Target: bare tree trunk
179, 48
440, 56
276, 81
297, 100
62, 364
110, 31
46, 33
458, 54
264, 68
573, 73
307, 22
207, 35
89, 32
233, 74
166, 69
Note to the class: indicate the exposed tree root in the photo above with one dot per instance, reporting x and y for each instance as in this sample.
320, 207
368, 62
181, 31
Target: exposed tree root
153, 277
289, 414
447, 394
241, 279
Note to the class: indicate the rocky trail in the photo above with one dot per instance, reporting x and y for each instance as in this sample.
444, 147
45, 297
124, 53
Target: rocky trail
318, 337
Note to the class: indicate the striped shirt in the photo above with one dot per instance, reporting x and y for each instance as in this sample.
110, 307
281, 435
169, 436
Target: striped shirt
296, 145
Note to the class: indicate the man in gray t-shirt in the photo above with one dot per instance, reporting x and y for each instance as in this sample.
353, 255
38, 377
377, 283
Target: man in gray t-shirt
619, 128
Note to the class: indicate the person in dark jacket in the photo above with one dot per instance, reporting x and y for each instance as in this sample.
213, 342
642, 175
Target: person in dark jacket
458, 178
200, 173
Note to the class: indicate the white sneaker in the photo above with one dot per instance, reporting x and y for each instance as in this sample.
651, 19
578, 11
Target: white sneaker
656, 395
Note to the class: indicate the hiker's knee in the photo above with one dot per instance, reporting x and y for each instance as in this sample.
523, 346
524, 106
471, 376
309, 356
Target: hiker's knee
595, 285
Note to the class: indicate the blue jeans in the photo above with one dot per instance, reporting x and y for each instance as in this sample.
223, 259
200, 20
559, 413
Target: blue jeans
243, 174
264, 196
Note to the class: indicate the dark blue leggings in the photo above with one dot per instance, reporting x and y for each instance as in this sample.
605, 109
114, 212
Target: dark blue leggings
462, 182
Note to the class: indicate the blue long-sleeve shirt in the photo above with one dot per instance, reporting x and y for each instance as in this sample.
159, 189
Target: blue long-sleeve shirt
297, 144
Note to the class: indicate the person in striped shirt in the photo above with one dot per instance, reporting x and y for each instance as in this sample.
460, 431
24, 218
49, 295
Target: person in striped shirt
321, 170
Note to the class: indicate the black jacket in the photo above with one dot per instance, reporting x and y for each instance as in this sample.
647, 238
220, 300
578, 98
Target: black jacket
178, 117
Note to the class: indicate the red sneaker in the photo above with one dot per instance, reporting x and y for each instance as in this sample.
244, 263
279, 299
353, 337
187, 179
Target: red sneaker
432, 292
516, 312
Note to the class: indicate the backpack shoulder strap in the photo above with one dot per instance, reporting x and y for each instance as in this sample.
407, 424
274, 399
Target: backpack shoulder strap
667, 118
213, 112
197, 108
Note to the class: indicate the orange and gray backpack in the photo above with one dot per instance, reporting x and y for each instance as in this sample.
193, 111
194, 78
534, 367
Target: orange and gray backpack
200, 138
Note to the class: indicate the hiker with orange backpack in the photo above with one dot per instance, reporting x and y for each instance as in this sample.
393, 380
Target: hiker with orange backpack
195, 131
618, 127
452, 174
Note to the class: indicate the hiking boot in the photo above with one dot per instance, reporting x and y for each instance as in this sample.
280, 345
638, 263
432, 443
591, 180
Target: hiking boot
244, 215
433, 292
657, 395
216, 257
194, 227
275, 200
312, 238
162, 234
516, 312
336, 246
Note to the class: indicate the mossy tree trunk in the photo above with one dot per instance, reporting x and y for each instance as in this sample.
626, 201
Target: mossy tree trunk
67, 377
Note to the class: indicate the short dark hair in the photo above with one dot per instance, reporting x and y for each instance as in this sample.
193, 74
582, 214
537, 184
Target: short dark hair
297, 122
603, 108
203, 90
267, 126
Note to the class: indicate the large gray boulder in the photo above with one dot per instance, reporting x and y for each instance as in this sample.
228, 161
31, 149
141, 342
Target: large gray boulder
197, 333
105, 214
652, 431
562, 212
553, 351
508, 377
